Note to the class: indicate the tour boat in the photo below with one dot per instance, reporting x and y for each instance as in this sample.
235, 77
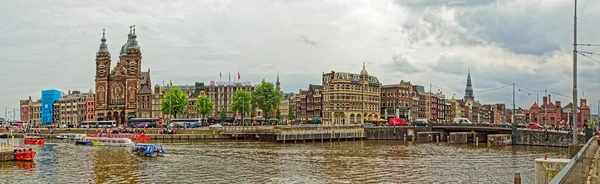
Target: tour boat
135, 137
105, 141
22, 154
34, 140
149, 150
70, 136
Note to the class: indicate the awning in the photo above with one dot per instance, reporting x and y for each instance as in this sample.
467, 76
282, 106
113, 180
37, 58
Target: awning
315, 120
272, 119
261, 119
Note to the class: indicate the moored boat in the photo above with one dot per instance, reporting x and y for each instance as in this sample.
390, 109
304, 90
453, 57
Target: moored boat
34, 140
70, 136
105, 141
149, 150
134, 137
23, 154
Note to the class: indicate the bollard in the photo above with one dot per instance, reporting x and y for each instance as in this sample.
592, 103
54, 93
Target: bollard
413, 138
448, 139
437, 139
476, 141
517, 178
404, 137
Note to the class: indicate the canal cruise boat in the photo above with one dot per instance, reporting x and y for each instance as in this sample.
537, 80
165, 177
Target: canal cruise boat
34, 140
23, 154
105, 141
148, 150
70, 136
134, 137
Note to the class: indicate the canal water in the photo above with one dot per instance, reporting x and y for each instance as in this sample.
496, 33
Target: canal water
267, 162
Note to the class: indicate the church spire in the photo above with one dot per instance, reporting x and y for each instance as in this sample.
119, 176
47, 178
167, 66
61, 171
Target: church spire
103, 47
469, 89
277, 84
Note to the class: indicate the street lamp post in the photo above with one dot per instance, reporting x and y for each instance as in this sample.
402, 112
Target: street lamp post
514, 124
575, 73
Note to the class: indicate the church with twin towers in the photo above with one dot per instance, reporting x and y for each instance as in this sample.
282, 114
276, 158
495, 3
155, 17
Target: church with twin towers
125, 90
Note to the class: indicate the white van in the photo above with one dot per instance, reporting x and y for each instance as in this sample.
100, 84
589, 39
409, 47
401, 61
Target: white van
462, 121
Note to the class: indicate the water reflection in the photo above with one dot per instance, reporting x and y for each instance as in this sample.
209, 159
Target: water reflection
112, 165
230, 161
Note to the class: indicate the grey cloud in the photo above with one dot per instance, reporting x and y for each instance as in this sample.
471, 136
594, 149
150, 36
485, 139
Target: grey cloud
450, 64
401, 63
433, 3
307, 40
521, 27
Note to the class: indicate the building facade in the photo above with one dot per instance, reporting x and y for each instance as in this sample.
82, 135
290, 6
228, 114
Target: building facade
117, 89
156, 99
89, 106
48, 99
350, 98
396, 100
301, 105
70, 109
221, 93
30, 111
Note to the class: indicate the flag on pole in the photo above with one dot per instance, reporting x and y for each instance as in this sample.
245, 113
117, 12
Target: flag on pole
239, 76
229, 75
220, 76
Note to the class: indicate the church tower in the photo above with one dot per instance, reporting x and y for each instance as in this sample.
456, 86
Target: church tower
469, 89
102, 72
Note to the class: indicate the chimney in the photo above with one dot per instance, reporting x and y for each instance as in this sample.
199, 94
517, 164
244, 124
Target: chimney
558, 105
69, 92
549, 98
545, 100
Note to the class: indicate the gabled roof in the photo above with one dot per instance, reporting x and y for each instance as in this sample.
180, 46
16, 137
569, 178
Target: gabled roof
534, 106
569, 106
144, 76
585, 107
145, 90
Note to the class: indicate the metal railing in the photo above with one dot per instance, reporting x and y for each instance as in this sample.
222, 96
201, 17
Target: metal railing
6, 147
578, 169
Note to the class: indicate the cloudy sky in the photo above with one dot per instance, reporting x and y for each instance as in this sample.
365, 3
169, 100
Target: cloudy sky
52, 44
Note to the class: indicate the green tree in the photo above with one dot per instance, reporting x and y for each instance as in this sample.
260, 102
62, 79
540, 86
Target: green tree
241, 103
174, 102
266, 98
291, 114
278, 114
204, 106
222, 115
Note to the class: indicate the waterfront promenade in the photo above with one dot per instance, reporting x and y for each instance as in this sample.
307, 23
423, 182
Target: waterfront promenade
303, 133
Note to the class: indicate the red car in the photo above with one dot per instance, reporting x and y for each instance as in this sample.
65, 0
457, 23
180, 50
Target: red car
533, 125
398, 122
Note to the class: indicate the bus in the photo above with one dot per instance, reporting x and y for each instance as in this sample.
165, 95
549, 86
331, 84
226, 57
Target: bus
144, 122
98, 124
186, 123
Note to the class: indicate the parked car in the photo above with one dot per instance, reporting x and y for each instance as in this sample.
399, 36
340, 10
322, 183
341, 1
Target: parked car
398, 122
369, 124
486, 124
419, 123
216, 125
533, 125
504, 125
462, 121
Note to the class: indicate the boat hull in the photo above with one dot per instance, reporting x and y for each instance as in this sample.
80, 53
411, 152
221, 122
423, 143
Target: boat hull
84, 143
25, 156
28, 141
